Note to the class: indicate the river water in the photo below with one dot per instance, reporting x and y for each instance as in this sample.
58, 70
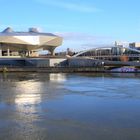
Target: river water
41, 106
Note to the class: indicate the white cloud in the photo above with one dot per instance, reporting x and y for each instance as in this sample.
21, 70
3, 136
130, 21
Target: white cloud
77, 36
88, 8
81, 41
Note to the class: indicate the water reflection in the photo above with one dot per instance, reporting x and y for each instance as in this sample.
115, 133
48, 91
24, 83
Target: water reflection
125, 75
57, 77
119, 75
21, 95
69, 106
27, 99
13, 77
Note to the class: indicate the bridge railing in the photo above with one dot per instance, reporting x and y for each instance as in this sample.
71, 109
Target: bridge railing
112, 56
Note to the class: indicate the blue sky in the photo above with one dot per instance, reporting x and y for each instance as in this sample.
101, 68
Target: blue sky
82, 23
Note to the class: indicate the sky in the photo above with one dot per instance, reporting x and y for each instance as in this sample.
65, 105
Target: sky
83, 24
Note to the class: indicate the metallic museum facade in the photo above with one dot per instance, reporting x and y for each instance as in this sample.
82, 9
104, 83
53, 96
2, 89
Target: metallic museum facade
27, 43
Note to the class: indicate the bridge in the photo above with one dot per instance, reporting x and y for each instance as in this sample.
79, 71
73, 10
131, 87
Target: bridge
111, 53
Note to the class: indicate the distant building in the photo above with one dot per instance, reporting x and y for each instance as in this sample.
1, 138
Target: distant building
27, 43
121, 44
134, 45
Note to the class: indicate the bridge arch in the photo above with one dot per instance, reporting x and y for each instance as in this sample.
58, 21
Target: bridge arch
111, 53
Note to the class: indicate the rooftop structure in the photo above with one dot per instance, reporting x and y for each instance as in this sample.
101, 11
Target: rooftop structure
135, 45
26, 43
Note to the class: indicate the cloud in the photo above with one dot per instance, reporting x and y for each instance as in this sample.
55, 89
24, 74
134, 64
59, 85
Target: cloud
92, 45
75, 36
81, 41
73, 6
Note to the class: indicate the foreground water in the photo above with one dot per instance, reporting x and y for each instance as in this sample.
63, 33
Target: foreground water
69, 106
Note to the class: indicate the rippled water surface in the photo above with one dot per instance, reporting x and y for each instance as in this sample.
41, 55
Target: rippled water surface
41, 106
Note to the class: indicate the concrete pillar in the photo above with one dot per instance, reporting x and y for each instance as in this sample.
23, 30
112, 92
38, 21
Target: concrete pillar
28, 53
0, 50
52, 51
8, 52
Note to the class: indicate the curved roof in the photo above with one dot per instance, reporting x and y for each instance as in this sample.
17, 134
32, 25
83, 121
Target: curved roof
32, 32
32, 39
8, 30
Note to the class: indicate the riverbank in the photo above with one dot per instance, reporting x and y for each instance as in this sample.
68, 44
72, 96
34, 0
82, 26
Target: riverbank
52, 69
64, 70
